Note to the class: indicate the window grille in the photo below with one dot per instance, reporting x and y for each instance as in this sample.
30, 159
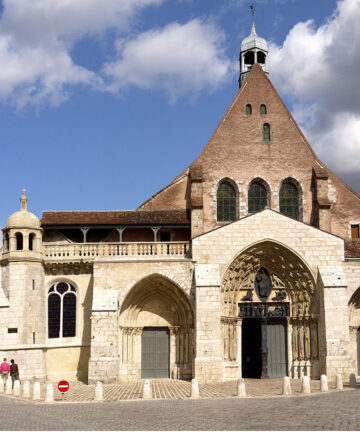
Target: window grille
289, 200
257, 197
61, 310
226, 203
266, 132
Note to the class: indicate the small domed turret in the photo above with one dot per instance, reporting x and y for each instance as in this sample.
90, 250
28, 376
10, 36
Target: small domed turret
22, 234
23, 218
254, 49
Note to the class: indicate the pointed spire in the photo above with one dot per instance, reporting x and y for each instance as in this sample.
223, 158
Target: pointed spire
253, 29
23, 201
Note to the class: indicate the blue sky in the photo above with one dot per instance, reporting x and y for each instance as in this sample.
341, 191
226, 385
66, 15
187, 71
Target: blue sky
104, 103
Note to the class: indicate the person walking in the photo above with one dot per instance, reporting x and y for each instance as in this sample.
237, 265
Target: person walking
4, 369
14, 371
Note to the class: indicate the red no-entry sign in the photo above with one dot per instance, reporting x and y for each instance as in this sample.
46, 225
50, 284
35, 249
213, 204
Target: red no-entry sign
63, 386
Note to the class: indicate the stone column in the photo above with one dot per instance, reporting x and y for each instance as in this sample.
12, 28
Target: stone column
208, 360
289, 350
174, 360
239, 342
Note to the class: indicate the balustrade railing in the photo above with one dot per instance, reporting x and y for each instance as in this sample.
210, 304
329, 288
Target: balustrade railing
94, 250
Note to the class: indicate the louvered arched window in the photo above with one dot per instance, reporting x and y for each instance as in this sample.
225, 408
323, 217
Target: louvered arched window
289, 200
266, 132
61, 310
257, 197
226, 203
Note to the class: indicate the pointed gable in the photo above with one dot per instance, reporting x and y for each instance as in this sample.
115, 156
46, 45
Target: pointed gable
269, 146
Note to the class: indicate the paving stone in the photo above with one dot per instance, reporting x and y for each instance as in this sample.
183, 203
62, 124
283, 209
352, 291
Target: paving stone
335, 410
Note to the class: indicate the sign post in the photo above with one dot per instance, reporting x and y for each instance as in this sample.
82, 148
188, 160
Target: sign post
63, 387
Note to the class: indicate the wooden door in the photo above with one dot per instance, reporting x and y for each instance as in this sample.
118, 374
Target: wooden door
155, 352
277, 347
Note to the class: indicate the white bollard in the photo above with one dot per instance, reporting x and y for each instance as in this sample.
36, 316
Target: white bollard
16, 391
286, 386
1, 386
147, 391
36, 391
99, 394
352, 380
339, 383
8, 387
194, 389
241, 390
49, 392
305, 385
324, 383
26, 389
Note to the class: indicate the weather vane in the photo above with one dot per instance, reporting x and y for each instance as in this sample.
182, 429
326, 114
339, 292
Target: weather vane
252, 7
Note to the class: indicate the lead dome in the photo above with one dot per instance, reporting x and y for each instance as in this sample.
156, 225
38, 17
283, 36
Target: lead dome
23, 218
254, 41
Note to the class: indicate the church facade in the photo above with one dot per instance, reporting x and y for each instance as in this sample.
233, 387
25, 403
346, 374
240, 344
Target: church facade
247, 264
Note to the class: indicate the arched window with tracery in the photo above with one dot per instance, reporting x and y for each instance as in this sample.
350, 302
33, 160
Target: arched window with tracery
289, 200
61, 310
226, 203
257, 197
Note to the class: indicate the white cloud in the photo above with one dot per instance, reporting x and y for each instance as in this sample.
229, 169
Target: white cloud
180, 59
36, 20
36, 37
319, 69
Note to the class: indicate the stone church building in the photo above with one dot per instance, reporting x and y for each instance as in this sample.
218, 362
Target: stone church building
247, 264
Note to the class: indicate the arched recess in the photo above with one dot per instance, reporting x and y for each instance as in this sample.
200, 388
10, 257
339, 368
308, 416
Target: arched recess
156, 302
354, 326
293, 284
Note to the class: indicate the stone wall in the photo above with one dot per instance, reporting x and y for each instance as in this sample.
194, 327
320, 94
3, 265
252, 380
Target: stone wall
116, 344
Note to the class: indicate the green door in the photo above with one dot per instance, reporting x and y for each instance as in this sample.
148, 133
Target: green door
358, 350
155, 352
277, 347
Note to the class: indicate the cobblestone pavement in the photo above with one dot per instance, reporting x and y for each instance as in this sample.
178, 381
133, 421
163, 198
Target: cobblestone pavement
177, 389
326, 411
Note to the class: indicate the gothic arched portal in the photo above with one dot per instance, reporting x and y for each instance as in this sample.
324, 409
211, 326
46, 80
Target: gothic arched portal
155, 304
293, 297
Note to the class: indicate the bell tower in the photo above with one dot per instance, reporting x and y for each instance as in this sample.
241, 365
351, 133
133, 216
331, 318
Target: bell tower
254, 49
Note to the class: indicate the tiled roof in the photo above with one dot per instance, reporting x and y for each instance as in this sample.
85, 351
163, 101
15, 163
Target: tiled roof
352, 248
134, 217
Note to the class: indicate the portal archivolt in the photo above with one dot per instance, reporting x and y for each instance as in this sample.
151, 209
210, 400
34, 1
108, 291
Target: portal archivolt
293, 290
156, 302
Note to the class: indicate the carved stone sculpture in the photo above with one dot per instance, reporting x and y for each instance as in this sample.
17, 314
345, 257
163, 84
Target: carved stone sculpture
294, 338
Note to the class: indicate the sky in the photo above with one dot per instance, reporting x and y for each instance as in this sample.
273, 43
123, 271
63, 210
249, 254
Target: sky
103, 103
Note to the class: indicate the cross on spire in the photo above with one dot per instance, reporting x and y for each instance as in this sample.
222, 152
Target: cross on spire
252, 7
